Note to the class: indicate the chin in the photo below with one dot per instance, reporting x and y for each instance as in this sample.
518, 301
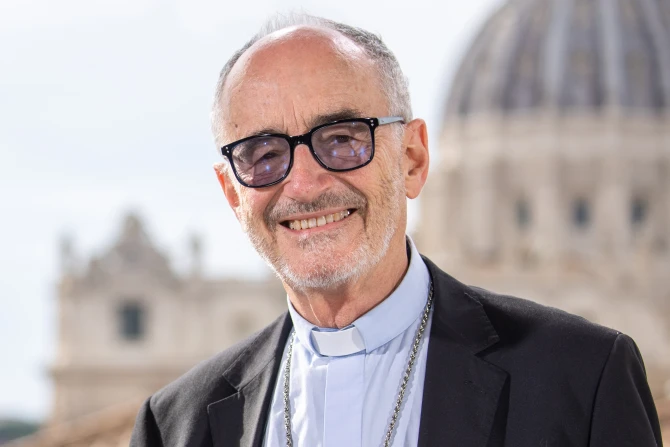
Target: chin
320, 276
328, 272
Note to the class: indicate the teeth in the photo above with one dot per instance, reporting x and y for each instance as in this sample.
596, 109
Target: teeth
317, 222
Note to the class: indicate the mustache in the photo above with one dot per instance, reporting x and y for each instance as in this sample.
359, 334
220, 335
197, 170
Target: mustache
280, 211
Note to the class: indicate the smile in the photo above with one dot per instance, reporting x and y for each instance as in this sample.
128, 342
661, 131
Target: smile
320, 221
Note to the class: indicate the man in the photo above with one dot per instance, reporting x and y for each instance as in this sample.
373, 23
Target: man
379, 346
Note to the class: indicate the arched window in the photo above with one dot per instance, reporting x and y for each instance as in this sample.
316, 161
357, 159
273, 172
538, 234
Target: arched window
132, 321
581, 213
523, 214
638, 211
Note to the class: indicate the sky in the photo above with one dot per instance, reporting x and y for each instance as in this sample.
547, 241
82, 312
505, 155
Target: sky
104, 109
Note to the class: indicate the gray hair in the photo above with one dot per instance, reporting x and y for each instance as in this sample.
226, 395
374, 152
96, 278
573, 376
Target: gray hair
394, 83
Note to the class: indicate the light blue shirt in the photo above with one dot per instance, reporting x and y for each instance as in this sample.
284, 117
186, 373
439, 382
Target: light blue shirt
344, 383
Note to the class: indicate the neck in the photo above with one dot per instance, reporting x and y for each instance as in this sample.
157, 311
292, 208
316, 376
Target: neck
341, 306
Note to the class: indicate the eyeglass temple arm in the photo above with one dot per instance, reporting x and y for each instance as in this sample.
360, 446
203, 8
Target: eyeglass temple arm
390, 119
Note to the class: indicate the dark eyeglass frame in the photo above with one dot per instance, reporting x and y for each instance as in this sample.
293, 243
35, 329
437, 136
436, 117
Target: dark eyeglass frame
306, 139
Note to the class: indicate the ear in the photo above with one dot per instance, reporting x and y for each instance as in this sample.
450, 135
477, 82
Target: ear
417, 158
228, 187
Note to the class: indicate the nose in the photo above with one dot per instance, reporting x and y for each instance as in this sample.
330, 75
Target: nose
307, 179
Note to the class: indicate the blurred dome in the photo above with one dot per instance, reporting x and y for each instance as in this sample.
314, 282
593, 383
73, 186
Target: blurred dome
552, 180
574, 55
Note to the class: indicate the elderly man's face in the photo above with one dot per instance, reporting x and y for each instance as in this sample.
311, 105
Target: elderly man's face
288, 83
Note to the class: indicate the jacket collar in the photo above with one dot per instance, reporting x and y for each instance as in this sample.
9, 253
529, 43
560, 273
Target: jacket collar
462, 392
458, 312
240, 418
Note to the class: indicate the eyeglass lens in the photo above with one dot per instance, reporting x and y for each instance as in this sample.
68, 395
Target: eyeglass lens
342, 146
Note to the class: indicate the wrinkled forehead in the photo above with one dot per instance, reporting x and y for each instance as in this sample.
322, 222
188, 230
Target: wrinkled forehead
289, 79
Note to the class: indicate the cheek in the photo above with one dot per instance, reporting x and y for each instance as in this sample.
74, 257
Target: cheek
389, 149
253, 206
391, 167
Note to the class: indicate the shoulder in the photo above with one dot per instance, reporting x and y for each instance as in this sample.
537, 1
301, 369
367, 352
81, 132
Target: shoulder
565, 363
520, 333
525, 316
217, 377
516, 319
539, 343
177, 414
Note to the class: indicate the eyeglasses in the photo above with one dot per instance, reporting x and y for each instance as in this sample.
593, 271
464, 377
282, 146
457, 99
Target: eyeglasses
343, 145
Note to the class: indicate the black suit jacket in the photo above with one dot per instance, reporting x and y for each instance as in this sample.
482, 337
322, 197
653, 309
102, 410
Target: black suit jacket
501, 371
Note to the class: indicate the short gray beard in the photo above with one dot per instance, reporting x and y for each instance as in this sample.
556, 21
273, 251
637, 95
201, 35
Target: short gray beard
360, 261
327, 279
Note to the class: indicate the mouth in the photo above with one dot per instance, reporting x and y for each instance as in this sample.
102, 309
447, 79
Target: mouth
317, 221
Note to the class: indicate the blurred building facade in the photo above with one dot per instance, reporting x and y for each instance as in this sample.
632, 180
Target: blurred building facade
552, 180
129, 324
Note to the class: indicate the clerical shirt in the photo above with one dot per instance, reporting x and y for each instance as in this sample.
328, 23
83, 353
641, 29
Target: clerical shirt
344, 383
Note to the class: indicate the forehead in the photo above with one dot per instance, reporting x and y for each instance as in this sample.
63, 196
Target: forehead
287, 80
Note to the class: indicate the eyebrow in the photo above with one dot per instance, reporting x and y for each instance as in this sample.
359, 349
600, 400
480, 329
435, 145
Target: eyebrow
342, 114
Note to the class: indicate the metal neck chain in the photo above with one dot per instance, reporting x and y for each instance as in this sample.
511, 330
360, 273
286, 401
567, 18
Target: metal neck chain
403, 383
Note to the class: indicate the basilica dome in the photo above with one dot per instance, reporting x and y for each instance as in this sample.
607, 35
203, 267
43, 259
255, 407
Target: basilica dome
551, 178
559, 55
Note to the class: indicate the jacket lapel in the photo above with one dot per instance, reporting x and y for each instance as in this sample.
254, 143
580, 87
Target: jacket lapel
240, 419
463, 393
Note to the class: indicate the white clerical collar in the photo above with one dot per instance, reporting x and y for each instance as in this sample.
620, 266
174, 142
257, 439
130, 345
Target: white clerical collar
377, 327
336, 343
